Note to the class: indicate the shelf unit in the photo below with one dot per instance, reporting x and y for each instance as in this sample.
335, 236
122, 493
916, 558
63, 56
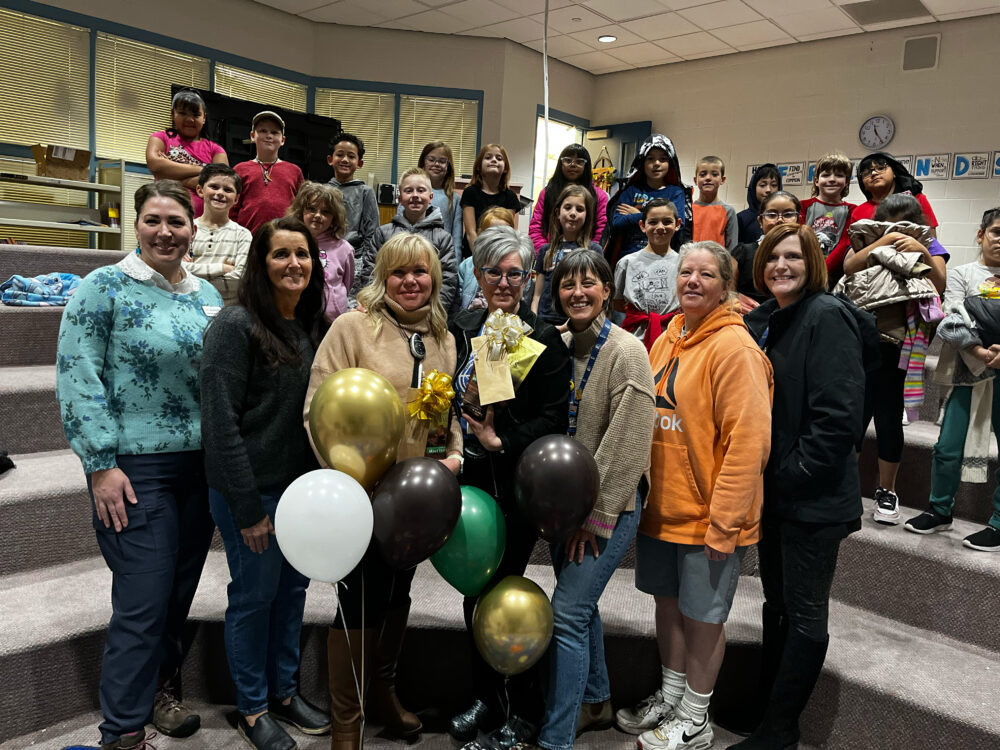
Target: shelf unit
106, 191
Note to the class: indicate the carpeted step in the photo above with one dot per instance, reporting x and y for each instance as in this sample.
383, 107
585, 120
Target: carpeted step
218, 733
973, 502
45, 508
35, 260
29, 334
28, 410
929, 581
885, 684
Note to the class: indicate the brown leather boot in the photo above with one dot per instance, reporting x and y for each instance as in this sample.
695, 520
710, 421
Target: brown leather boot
344, 659
383, 698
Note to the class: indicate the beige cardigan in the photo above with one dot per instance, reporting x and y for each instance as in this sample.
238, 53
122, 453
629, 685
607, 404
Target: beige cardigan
353, 342
615, 418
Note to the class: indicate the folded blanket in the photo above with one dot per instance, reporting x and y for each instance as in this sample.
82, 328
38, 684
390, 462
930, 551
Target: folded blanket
48, 290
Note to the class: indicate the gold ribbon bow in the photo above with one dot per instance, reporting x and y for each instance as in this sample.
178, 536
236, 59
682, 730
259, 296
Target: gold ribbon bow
433, 398
503, 332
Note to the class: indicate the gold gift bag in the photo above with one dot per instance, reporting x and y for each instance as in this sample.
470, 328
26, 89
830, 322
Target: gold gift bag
504, 356
428, 411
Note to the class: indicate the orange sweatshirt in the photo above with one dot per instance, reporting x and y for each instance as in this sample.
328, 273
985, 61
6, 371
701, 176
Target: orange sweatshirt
712, 434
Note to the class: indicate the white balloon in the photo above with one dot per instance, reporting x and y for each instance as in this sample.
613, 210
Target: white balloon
324, 524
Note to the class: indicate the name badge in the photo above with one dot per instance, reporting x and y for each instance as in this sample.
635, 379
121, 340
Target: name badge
210, 310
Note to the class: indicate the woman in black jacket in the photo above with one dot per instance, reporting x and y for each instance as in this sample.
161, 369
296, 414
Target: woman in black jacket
502, 259
812, 491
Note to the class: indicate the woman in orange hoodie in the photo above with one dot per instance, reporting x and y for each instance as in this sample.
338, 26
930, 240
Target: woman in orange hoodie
711, 441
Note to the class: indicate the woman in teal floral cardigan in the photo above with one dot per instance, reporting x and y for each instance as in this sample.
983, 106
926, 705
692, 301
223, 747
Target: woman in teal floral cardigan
128, 391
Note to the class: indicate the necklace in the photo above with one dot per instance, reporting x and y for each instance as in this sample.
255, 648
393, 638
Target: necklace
265, 169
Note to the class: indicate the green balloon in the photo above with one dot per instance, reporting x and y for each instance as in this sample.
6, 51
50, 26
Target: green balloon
473, 551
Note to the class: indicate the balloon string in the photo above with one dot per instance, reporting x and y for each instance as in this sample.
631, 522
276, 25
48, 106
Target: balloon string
347, 637
506, 695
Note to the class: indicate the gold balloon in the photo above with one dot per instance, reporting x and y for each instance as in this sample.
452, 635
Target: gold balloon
512, 625
356, 419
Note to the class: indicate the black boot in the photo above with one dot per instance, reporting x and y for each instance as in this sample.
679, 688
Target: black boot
801, 664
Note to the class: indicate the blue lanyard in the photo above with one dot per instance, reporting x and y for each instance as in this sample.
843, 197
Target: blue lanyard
577, 392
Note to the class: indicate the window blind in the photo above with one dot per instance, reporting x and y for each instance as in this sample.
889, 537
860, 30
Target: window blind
133, 92
424, 119
45, 84
257, 87
369, 115
132, 182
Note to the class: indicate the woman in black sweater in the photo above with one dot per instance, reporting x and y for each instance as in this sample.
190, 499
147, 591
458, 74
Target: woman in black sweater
817, 345
254, 374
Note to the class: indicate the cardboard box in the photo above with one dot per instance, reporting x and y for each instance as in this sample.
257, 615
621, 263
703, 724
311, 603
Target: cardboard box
62, 162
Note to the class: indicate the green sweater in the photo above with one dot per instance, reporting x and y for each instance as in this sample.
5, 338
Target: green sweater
127, 367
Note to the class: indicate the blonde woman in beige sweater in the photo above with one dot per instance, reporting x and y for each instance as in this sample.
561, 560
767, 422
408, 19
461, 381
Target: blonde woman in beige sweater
611, 411
401, 300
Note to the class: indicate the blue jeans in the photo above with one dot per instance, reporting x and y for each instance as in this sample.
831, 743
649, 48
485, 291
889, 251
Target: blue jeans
577, 671
156, 562
264, 618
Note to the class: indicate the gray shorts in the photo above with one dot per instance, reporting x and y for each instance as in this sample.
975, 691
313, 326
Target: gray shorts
704, 588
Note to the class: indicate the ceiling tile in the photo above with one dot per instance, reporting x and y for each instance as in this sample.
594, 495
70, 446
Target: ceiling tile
479, 12
816, 22
756, 33
593, 61
828, 34
293, 6
397, 8
951, 7
562, 46
679, 4
517, 29
776, 9
562, 20
661, 26
967, 13
899, 24
624, 36
346, 12
437, 3
436, 21
712, 53
693, 44
617, 10
725, 13
645, 53
529, 7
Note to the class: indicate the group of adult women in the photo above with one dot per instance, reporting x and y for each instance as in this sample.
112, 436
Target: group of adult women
164, 395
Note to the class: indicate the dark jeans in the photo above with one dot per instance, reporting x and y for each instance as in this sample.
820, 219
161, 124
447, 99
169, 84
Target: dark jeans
884, 400
796, 571
156, 562
267, 597
371, 590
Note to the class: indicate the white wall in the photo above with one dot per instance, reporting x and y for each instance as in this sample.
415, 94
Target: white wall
509, 75
797, 102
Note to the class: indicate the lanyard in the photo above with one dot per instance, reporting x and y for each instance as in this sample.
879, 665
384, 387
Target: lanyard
577, 392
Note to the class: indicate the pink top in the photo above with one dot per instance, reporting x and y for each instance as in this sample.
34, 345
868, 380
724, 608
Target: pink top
535, 226
197, 153
337, 257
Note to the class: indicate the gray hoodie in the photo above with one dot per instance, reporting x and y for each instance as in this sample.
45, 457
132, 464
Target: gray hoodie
362, 226
431, 227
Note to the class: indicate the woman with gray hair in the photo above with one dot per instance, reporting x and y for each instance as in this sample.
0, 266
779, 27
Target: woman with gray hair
502, 259
711, 439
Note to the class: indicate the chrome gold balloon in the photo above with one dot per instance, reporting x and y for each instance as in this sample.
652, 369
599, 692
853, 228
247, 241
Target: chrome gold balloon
512, 625
356, 419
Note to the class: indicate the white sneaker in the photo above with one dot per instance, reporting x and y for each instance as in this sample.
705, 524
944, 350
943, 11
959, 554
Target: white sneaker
676, 733
886, 507
646, 715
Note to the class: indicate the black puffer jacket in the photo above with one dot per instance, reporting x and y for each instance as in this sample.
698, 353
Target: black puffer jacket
816, 348
540, 405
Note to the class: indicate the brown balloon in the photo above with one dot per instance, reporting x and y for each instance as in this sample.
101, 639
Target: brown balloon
556, 484
512, 625
416, 505
356, 420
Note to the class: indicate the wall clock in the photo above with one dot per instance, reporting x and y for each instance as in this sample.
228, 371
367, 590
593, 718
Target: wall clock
876, 132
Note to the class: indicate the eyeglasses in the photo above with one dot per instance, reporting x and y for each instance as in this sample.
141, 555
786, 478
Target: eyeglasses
786, 215
875, 166
436, 162
493, 276
569, 161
